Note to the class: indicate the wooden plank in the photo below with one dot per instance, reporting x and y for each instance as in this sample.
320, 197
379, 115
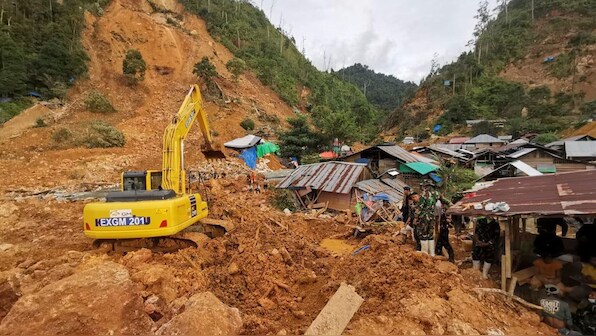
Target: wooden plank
503, 274
524, 275
508, 247
337, 313
512, 285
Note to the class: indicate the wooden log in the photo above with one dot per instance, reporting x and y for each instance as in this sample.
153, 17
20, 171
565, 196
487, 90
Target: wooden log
502, 292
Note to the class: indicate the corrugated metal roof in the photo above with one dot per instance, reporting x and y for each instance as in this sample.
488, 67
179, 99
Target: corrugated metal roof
399, 153
483, 139
244, 142
423, 158
459, 140
421, 168
525, 168
585, 137
335, 177
580, 149
376, 186
521, 152
556, 194
446, 151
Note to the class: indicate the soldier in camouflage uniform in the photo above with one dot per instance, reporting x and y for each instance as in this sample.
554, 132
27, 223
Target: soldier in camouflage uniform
426, 217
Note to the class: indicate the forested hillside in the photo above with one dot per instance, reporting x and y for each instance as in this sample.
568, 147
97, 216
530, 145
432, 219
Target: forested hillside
385, 92
552, 44
41, 49
338, 108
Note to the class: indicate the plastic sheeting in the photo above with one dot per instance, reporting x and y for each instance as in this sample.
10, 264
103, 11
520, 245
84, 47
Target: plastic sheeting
266, 148
249, 156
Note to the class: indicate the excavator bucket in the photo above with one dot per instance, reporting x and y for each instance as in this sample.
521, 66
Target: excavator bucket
213, 152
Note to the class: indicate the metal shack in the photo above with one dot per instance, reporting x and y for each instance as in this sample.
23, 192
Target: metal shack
326, 182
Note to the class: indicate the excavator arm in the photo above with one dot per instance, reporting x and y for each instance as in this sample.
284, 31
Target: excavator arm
174, 175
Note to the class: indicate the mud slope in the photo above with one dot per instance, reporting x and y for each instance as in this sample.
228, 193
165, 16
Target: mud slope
142, 111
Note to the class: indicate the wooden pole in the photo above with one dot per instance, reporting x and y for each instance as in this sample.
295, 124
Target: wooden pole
508, 246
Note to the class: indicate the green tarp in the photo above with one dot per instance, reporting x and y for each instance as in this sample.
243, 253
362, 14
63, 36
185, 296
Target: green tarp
266, 148
421, 168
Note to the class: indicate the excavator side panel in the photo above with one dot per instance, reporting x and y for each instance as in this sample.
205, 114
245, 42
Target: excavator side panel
142, 219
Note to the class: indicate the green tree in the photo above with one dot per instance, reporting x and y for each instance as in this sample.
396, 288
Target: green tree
299, 140
205, 70
544, 138
340, 125
13, 69
484, 127
134, 66
237, 67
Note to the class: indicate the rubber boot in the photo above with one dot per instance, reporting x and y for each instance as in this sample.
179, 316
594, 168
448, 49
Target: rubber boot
485, 270
476, 265
431, 247
424, 246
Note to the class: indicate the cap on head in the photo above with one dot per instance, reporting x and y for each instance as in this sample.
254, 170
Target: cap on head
551, 289
407, 188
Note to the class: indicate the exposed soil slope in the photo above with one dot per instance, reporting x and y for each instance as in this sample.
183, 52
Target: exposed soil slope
142, 111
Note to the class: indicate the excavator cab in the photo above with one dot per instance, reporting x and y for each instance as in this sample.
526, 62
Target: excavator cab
141, 180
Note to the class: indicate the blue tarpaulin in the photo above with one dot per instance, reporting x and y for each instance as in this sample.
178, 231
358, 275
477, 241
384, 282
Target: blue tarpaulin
437, 128
249, 156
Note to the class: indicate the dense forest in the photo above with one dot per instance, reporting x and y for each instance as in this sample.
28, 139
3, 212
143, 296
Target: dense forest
385, 92
41, 49
337, 108
470, 87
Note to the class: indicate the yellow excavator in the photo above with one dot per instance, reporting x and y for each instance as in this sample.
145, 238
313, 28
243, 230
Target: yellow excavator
152, 208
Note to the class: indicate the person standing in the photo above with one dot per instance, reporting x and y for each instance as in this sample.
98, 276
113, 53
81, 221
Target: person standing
426, 218
443, 238
486, 239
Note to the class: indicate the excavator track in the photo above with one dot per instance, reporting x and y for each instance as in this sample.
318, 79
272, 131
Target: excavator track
192, 237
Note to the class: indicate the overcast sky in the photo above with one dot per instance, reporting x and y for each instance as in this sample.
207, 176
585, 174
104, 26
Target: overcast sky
397, 37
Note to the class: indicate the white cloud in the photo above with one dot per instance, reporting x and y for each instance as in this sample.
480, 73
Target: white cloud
397, 37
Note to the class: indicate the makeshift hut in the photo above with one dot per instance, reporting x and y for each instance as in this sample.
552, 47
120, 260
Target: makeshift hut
382, 157
511, 169
330, 183
519, 198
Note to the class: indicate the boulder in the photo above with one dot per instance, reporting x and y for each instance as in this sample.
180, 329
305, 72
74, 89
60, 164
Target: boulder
203, 314
97, 301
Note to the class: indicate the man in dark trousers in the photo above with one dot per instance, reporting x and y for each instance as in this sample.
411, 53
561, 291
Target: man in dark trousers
486, 240
443, 239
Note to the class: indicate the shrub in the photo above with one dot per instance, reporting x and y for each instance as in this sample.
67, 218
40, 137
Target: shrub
248, 124
544, 138
103, 135
282, 199
39, 123
205, 69
62, 135
237, 67
134, 66
98, 103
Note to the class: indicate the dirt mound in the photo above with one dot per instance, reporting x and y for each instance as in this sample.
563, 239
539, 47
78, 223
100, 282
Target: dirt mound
82, 304
204, 314
400, 285
589, 129
25, 120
